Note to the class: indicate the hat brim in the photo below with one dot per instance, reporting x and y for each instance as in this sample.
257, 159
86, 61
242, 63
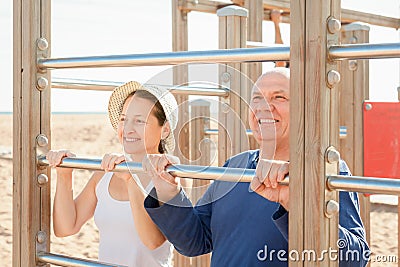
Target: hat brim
116, 104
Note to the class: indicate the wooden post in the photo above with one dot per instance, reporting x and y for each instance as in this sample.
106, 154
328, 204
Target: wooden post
200, 155
254, 33
31, 117
354, 90
233, 109
314, 123
180, 76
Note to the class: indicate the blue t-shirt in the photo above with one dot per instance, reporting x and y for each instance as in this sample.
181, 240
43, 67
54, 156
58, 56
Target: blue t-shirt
241, 228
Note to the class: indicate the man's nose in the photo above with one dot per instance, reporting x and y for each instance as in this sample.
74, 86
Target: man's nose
265, 105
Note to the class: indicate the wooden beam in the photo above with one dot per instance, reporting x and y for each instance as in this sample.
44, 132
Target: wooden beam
254, 33
354, 90
297, 130
348, 15
31, 116
313, 128
180, 76
232, 137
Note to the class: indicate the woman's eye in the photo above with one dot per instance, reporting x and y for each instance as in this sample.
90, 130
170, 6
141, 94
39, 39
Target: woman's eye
122, 119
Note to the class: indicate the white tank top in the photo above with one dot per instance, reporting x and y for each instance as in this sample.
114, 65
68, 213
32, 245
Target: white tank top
119, 241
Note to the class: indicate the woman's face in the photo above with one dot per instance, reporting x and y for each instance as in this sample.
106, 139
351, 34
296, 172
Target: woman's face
138, 130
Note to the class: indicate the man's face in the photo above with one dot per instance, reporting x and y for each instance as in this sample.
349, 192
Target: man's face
269, 114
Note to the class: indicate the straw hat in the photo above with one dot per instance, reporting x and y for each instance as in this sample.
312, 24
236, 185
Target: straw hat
166, 99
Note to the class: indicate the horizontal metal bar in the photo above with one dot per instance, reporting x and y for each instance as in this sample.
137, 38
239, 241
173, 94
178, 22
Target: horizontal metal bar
364, 184
62, 260
170, 58
64, 83
215, 132
364, 51
180, 170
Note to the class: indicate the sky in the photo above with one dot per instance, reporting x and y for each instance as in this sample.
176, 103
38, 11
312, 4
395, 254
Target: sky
102, 27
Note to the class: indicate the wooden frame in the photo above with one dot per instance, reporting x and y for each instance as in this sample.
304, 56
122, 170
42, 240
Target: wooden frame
354, 90
31, 117
313, 127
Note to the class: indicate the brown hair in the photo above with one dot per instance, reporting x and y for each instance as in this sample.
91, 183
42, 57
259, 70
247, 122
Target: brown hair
157, 111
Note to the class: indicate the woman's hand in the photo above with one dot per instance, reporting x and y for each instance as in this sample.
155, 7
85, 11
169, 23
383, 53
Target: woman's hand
166, 185
266, 182
109, 162
55, 158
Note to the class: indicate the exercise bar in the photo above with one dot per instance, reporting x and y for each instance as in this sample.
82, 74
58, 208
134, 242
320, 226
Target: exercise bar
364, 51
364, 184
62, 260
64, 83
170, 58
180, 170
334, 182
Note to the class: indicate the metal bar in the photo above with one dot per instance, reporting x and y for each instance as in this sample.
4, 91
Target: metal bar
62, 260
64, 83
364, 51
215, 132
180, 170
170, 58
364, 184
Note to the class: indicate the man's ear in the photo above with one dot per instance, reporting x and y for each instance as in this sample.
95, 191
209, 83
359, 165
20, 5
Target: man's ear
166, 130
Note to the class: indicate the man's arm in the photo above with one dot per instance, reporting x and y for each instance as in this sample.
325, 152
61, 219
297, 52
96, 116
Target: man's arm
187, 228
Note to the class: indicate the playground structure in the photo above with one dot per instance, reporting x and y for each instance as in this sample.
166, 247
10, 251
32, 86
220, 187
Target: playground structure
315, 52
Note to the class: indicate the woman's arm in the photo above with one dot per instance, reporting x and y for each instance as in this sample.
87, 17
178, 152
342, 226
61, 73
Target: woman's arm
68, 214
148, 232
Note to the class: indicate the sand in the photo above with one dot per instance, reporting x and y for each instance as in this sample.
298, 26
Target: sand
92, 135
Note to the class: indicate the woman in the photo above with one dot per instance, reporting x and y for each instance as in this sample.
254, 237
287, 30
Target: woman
144, 118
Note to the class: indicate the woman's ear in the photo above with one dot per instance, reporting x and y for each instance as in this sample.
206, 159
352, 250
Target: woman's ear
166, 130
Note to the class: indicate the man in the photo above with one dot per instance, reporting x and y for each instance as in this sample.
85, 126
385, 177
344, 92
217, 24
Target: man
240, 227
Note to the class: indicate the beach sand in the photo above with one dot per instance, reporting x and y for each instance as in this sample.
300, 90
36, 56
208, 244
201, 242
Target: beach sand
92, 135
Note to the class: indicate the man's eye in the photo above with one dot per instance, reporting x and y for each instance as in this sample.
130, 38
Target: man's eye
280, 97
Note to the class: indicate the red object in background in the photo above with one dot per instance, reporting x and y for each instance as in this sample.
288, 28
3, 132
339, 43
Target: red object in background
382, 139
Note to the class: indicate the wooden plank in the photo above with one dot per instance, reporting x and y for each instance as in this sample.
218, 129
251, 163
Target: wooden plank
180, 73
311, 129
297, 127
316, 118
180, 76
26, 121
254, 33
222, 117
361, 93
321, 124
17, 141
232, 137
348, 15
200, 114
45, 117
